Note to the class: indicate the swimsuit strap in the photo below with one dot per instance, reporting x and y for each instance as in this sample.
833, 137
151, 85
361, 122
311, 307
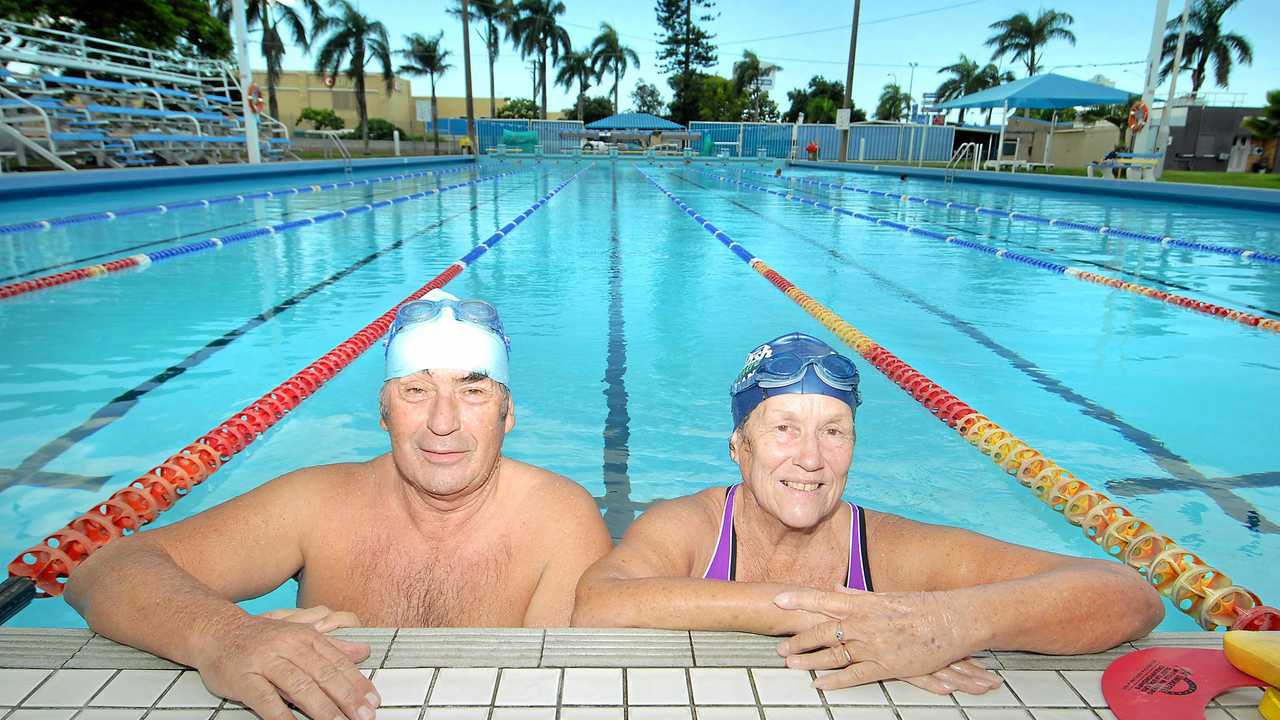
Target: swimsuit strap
859, 577
721, 566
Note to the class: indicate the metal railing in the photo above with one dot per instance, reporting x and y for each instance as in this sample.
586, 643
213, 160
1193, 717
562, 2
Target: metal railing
969, 153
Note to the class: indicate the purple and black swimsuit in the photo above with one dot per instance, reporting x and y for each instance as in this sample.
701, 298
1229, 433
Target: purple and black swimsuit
724, 560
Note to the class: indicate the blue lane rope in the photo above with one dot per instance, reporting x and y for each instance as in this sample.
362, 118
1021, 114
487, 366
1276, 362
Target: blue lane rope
160, 208
1155, 238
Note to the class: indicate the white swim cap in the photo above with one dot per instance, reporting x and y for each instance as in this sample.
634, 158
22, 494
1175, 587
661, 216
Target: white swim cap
442, 332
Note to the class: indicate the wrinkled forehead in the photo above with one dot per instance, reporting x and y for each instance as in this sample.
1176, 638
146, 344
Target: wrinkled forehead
446, 377
805, 406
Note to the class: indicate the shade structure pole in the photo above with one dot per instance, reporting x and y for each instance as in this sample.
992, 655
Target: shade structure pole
1048, 143
1004, 122
1162, 130
848, 81
1144, 139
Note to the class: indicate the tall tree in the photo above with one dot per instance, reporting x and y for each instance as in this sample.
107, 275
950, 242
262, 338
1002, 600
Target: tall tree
893, 102
1117, 115
492, 18
188, 26
577, 69
685, 49
608, 53
818, 88
355, 40
646, 98
425, 56
968, 78
536, 32
1023, 38
268, 16
1266, 127
747, 74
1206, 41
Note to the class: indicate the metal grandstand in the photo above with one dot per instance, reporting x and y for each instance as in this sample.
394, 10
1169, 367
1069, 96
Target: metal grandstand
78, 101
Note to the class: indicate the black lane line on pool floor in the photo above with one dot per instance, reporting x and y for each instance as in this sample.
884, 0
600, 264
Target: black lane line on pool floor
619, 510
1132, 273
30, 471
1185, 475
325, 202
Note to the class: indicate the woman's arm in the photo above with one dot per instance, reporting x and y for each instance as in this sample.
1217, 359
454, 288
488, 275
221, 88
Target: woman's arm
649, 581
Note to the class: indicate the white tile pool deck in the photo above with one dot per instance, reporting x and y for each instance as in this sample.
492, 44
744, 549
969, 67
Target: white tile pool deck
438, 674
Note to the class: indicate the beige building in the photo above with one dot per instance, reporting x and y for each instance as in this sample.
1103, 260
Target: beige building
297, 90
1071, 146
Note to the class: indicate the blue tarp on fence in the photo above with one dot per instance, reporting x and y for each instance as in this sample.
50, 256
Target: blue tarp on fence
882, 142
489, 133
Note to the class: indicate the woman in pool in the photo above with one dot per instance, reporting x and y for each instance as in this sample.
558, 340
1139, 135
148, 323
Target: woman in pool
874, 595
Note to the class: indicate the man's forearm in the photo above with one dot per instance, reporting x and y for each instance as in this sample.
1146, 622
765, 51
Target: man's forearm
685, 604
1069, 606
134, 593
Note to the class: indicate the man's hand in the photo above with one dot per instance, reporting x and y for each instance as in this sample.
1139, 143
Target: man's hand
319, 617
264, 662
880, 636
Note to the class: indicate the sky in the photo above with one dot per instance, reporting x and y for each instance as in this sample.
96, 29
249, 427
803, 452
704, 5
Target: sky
811, 37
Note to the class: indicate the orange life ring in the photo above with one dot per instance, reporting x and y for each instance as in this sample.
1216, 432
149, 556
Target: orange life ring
254, 96
1138, 116
328, 81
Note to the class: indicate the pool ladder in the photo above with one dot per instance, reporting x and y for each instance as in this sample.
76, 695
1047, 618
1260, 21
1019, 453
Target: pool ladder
969, 153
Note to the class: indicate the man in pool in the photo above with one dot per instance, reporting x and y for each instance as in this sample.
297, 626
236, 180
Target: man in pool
441, 531
781, 553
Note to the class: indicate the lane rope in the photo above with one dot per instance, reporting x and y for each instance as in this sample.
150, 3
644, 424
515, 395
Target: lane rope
1195, 587
162, 208
1155, 238
1182, 301
144, 260
49, 563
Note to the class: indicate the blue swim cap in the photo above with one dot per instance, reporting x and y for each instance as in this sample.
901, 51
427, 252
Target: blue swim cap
793, 363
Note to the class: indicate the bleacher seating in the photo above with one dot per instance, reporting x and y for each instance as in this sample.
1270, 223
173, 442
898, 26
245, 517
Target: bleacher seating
78, 101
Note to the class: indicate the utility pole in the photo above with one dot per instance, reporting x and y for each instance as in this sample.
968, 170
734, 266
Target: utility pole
1143, 136
466, 63
241, 26
848, 81
1162, 131
911, 86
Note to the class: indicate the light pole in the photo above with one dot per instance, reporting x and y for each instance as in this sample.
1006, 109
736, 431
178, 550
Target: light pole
911, 86
848, 82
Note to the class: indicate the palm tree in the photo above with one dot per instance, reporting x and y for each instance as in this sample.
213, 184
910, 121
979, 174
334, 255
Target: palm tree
1205, 41
1024, 38
535, 31
493, 18
820, 110
608, 53
268, 16
747, 74
893, 102
1266, 127
576, 68
969, 78
356, 40
426, 57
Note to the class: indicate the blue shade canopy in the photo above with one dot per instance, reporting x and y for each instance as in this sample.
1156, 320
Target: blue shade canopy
1047, 91
634, 121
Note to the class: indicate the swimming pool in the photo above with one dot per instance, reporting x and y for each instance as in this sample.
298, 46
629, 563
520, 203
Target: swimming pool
628, 321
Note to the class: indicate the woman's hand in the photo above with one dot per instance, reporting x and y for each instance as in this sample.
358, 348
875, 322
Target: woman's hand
319, 617
880, 636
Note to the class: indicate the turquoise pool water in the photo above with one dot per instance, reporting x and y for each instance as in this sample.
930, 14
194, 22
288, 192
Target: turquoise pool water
627, 323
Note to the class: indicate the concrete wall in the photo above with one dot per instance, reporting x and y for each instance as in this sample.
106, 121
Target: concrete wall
1077, 147
1204, 142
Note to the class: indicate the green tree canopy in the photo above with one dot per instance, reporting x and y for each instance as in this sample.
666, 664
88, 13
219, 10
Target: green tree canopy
183, 25
819, 89
893, 102
685, 49
522, 108
354, 40
646, 99
716, 99
1267, 125
610, 55
593, 109
967, 77
321, 118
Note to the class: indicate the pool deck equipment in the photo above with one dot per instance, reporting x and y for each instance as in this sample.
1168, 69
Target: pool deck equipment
1240, 316
162, 208
1156, 238
1192, 585
42, 569
144, 260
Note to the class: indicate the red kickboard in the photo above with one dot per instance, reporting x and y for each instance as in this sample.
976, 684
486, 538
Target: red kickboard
1169, 683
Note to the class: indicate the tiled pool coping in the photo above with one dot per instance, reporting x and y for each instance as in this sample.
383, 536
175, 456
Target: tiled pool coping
565, 674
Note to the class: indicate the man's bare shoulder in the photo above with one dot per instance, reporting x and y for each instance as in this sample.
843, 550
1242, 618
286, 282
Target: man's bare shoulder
544, 493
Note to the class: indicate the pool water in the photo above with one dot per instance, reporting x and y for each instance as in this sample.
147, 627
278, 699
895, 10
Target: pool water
627, 323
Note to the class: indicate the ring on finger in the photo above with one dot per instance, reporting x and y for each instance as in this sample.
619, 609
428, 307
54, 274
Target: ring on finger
839, 633
848, 659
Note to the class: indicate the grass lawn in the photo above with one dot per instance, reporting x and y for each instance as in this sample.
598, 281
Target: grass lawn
1269, 181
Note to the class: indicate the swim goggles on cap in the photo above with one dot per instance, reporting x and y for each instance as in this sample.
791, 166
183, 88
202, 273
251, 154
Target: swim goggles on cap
476, 312
793, 363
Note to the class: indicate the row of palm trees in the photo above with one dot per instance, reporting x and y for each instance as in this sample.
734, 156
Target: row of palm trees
348, 42
1022, 39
